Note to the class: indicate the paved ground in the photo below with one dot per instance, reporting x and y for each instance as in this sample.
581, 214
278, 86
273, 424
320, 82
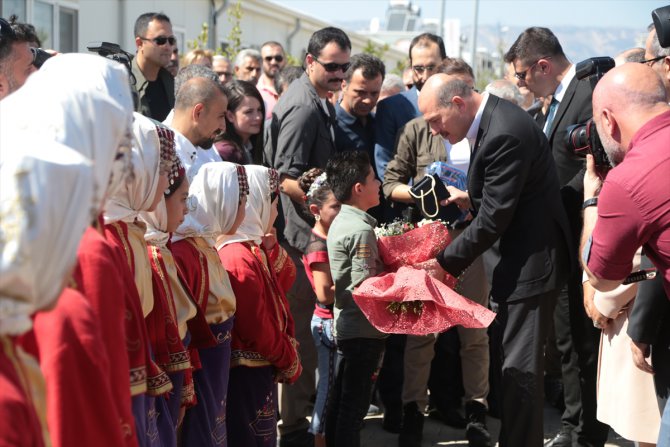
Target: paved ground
437, 434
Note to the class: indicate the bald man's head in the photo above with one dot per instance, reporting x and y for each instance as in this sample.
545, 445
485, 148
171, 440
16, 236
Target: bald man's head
200, 109
624, 100
449, 105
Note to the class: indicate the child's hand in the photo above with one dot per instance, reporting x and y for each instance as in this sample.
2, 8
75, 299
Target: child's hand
270, 239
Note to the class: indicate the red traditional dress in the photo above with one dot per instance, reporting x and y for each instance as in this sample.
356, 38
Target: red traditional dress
264, 349
72, 356
212, 188
19, 424
98, 278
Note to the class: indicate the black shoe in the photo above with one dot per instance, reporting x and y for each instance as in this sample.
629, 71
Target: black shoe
553, 392
476, 431
450, 417
562, 439
392, 420
298, 438
411, 431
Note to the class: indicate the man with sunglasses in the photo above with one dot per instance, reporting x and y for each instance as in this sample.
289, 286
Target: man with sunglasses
273, 59
300, 137
541, 65
16, 60
155, 85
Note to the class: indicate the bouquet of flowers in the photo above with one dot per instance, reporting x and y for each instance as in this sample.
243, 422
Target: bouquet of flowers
404, 244
416, 295
409, 301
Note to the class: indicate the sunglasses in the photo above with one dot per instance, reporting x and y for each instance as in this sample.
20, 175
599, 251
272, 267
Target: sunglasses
332, 67
161, 40
651, 61
278, 58
521, 75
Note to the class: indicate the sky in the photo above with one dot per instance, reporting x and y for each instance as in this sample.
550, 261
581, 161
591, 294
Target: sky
583, 13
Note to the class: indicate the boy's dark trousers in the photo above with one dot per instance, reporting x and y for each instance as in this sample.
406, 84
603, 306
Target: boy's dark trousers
357, 362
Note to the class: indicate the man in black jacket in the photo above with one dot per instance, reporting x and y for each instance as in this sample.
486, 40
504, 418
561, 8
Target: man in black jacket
519, 228
541, 65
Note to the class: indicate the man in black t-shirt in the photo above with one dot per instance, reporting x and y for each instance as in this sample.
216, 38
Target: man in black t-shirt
155, 85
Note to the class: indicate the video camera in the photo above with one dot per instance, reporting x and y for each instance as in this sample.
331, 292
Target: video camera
583, 139
114, 52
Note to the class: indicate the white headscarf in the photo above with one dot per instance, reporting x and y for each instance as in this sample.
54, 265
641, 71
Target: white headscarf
214, 196
157, 220
262, 183
84, 102
42, 220
138, 194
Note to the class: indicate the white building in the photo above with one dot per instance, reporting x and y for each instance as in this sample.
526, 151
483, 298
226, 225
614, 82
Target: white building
69, 25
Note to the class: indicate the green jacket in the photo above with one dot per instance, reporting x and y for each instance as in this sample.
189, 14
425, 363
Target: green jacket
141, 84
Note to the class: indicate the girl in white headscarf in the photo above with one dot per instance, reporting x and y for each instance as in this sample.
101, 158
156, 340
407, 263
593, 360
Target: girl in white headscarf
217, 199
91, 112
173, 306
264, 350
41, 222
151, 163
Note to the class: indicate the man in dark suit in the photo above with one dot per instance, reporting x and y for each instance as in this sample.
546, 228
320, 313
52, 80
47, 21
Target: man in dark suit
541, 65
519, 227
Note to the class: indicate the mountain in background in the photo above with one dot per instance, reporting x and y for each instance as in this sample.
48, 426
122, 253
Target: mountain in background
578, 43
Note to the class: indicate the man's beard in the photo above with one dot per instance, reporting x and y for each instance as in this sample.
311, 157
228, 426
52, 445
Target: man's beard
205, 143
613, 149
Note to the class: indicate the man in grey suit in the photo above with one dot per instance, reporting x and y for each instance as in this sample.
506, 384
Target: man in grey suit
519, 228
541, 65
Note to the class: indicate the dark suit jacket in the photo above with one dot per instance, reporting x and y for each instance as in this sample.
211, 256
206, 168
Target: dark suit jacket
514, 192
575, 108
392, 113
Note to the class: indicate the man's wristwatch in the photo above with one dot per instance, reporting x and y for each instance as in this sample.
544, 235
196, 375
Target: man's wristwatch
593, 201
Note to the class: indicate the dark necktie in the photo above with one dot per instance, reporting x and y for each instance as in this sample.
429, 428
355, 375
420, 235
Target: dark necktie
551, 113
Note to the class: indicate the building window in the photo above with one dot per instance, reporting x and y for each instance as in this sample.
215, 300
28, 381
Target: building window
10, 7
56, 22
67, 30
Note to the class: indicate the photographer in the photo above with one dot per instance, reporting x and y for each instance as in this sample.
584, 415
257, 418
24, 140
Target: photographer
631, 208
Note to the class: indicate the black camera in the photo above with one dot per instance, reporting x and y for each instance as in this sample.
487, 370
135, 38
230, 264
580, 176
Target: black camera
40, 56
114, 52
583, 139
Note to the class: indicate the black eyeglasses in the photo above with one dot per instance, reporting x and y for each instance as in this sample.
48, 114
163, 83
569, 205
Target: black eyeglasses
651, 61
161, 40
332, 67
278, 58
521, 75
419, 69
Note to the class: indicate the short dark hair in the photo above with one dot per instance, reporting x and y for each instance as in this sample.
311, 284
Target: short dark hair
143, 21
25, 32
197, 91
454, 87
346, 169
423, 40
236, 91
287, 75
324, 36
457, 66
7, 40
272, 43
190, 72
370, 66
534, 43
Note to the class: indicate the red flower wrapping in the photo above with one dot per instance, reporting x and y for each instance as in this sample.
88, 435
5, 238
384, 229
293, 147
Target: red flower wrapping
426, 305
417, 248
413, 247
